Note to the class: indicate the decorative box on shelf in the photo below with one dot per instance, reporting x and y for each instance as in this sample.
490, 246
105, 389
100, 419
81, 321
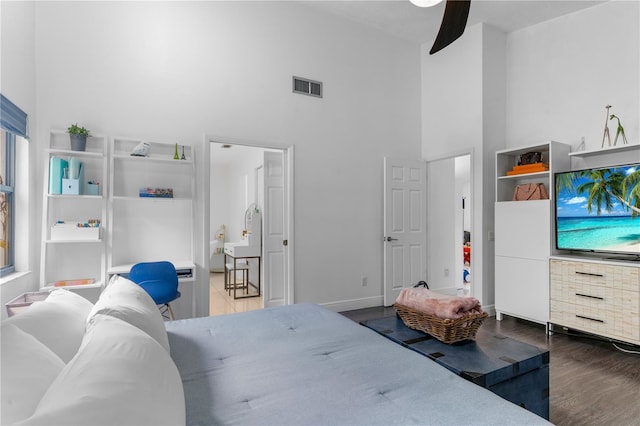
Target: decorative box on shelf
76, 231
93, 188
71, 186
528, 168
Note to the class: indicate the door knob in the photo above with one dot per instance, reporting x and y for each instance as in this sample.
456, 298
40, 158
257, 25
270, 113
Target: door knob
389, 239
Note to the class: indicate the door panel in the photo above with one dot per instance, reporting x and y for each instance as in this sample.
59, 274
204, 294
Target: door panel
275, 277
405, 233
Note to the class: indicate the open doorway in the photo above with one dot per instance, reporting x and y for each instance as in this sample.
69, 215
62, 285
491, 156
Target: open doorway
240, 202
449, 224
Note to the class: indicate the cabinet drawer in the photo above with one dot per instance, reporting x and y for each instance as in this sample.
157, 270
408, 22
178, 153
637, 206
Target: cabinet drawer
596, 320
597, 297
595, 274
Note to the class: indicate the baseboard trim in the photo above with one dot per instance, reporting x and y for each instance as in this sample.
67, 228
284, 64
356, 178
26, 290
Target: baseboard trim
490, 309
350, 305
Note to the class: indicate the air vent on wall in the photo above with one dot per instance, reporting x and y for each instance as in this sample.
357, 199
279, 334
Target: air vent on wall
305, 86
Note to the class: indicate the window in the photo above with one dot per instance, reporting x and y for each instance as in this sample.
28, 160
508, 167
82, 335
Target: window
13, 121
7, 161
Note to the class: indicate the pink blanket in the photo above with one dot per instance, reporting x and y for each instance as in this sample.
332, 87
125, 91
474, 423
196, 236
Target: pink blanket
439, 305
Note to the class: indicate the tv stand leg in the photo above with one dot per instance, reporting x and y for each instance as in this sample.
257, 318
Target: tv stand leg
499, 316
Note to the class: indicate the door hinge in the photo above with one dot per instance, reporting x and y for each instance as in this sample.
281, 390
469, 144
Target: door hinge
285, 242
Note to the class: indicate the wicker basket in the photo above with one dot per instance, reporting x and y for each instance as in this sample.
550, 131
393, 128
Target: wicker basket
444, 329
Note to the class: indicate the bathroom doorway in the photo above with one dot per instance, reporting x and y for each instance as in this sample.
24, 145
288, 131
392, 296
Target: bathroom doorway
238, 187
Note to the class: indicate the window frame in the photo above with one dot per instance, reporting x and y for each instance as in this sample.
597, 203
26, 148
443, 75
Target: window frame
14, 123
8, 188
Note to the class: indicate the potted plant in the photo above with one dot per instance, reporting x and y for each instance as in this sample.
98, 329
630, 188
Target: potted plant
78, 137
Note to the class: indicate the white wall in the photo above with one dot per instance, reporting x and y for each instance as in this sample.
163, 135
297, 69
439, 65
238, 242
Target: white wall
452, 96
493, 110
462, 100
17, 83
562, 73
172, 71
441, 226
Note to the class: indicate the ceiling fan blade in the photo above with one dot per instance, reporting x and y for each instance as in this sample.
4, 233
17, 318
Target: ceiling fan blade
454, 21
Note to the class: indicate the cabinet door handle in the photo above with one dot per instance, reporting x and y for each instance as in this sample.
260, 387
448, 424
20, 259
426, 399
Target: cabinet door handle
590, 319
589, 296
590, 274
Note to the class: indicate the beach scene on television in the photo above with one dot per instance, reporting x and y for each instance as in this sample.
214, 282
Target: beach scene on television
599, 210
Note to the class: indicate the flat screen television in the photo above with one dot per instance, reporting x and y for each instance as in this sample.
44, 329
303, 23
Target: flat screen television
598, 210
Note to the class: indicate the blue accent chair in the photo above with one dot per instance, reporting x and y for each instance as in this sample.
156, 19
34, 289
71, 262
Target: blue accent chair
160, 280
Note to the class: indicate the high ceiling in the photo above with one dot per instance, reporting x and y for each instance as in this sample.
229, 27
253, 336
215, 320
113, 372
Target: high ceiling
409, 22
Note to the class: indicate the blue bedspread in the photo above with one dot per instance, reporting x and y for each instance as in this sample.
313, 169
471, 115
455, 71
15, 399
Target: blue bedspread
306, 365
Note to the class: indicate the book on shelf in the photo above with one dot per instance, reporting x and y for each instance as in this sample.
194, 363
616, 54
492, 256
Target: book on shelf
66, 283
76, 231
156, 192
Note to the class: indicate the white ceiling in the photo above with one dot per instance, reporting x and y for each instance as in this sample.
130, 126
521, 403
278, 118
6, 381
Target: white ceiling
404, 20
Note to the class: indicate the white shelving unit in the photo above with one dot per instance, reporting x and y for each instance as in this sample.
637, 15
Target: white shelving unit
608, 150
523, 240
73, 259
145, 229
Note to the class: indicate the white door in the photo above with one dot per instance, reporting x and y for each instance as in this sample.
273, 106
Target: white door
405, 225
274, 236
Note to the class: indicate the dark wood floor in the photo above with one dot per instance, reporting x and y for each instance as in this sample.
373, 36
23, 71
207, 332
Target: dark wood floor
591, 382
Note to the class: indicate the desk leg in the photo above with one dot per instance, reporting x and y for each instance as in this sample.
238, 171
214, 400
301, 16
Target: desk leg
259, 275
226, 273
235, 284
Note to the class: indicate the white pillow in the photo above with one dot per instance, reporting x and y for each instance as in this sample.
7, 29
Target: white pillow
120, 376
28, 369
59, 321
131, 303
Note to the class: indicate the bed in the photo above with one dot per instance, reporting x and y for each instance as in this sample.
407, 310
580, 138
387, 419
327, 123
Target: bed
305, 365
66, 361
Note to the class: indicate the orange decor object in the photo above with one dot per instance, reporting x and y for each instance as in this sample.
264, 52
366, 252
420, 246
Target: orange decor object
528, 168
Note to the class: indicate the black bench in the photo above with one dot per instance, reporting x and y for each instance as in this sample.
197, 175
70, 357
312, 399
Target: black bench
514, 370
